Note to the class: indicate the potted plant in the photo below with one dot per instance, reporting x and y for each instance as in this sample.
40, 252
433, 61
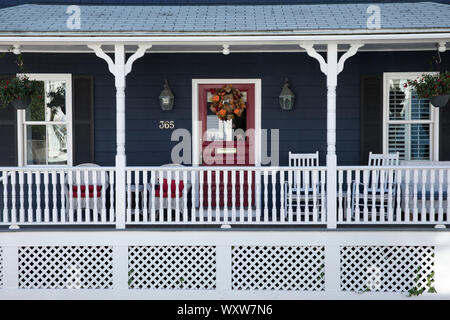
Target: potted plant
19, 91
433, 87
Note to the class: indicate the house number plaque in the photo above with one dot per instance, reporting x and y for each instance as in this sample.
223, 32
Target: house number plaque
166, 124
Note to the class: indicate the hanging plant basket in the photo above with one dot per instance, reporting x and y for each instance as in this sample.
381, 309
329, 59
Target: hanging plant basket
441, 101
21, 104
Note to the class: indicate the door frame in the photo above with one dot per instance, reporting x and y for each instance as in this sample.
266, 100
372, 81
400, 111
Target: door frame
195, 114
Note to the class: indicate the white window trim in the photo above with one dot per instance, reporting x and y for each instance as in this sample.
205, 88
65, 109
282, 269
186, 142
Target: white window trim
21, 137
434, 143
195, 115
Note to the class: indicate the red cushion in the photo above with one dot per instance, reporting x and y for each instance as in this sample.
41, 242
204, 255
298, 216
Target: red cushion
173, 187
83, 191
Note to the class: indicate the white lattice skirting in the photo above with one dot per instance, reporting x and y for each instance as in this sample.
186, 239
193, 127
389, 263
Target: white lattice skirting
224, 265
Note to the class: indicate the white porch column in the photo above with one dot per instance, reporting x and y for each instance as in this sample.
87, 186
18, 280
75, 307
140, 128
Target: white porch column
331, 68
120, 68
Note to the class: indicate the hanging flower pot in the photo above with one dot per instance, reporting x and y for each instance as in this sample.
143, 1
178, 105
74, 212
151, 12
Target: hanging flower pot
21, 104
19, 92
433, 87
441, 101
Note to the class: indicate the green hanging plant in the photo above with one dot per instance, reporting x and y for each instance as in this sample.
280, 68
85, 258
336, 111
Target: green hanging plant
19, 91
431, 85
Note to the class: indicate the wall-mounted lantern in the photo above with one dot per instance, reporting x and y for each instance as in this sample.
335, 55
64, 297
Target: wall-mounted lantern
287, 97
166, 98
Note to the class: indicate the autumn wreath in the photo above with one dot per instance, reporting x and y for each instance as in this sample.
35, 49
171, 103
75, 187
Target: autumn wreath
227, 103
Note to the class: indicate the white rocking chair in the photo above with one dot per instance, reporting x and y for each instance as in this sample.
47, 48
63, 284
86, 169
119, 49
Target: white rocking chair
378, 184
299, 189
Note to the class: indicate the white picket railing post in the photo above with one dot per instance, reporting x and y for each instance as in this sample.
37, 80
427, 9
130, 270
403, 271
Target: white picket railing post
332, 269
10, 263
121, 277
223, 270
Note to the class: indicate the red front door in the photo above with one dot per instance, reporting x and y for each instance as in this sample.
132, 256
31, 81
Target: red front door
227, 143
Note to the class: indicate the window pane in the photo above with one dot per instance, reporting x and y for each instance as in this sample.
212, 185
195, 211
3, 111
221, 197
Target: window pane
420, 142
57, 144
420, 108
398, 101
56, 101
36, 145
397, 139
36, 110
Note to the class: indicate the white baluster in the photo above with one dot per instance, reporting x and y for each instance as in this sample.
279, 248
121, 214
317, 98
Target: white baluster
424, 197
177, 196
323, 179
70, 205
46, 198
201, 194
241, 196
314, 190
356, 196
398, 183
266, 193
185, 196
38, 197
30, 196
5, 177
79, 183
225, 196
349, 207
95, 184
440, 204
112, 177
307, 188
289, 196
13, 199
169, 195
250, 174
382, 192
233, 195
128, 175
432, 199
373, 213
55, 199
283, 214
152, 198
21, 198
137, 182
87, 198
145, 195
258, 195
340, 197
274, 195
217, 184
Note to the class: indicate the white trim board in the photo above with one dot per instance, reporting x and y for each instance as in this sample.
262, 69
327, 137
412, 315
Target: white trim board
195, 133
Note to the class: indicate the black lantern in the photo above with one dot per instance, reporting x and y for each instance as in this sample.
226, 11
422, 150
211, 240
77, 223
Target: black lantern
287, 97
166, 98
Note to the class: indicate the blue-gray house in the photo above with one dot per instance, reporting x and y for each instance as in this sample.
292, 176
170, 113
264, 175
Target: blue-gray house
177, 121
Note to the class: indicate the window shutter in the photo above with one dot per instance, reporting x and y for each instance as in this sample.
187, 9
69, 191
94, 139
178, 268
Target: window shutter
83, 119
444, 134
371, 116
8, 133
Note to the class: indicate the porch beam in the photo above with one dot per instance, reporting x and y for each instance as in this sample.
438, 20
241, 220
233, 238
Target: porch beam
331, 68
120, 68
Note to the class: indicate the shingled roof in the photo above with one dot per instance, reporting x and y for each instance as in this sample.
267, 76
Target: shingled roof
219, 19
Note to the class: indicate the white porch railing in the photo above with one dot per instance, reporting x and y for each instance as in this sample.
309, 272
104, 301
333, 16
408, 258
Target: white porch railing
46, 196
393, 195
218, 195
224, 196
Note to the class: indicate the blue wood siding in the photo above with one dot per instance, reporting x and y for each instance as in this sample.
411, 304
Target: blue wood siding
301, 130
6, 3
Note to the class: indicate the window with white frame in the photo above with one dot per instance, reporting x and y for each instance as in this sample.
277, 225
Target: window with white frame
45, 127
410, 123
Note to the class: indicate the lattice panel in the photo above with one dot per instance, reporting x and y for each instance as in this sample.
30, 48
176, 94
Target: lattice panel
172, 267
278, 268
385, 268
65, 267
